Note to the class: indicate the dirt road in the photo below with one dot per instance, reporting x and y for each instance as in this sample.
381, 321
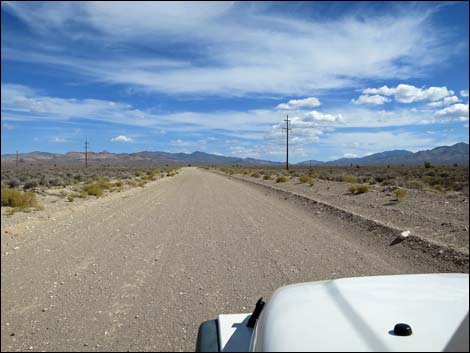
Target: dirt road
141, 271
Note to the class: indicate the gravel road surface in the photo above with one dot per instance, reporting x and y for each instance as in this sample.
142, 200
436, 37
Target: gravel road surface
142, 270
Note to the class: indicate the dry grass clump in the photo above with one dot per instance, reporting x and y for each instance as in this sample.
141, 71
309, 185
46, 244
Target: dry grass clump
400, 194
349, 179
93, 189
358, 189
19, 200
305, 179
281, 179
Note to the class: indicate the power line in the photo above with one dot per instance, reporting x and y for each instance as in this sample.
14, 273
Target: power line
287, 140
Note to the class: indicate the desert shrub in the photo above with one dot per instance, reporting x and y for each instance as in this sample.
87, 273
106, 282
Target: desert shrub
93, 189
379, 179
63, 193
349, 179
23, 178
104, 184
30, 184
71, 198
56, 182
18, 199
358, 189
281, 179
400, 194
255, 174
362, 189
14, 183
305, 179
267, 177
118, 184
412, 184
427, 164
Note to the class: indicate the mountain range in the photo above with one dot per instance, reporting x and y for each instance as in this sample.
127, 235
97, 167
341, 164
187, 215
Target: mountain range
443, 155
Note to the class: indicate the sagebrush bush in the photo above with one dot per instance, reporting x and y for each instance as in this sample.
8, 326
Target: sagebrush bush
281, 179
18, 199
358, 189
93, 189
255, 174
30, 184
349, 179
400, 194
267, 177
305, 178
14, 183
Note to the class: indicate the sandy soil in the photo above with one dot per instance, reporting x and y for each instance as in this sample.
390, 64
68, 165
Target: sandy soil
140, 270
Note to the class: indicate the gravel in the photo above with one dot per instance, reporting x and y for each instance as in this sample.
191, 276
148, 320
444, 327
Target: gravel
202, 244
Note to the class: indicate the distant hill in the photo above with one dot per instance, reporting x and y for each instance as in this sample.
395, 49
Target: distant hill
442, 155
310, 162
144, 158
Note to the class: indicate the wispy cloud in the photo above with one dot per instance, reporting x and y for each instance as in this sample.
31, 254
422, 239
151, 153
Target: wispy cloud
8, 126
267, 45
58, 139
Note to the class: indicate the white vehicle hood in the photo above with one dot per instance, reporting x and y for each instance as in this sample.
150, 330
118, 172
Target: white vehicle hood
359, 314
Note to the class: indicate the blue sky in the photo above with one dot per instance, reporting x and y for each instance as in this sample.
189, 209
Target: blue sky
355, 77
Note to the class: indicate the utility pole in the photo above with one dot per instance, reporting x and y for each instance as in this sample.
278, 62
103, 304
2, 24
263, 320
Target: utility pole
16, 158
86, 153
287, 140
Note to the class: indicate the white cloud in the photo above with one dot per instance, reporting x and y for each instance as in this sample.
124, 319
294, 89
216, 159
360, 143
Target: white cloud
122, 138
375, 99
272, 52
58, 140
349, 155
311, 102
464, 93
454, 112
444, 102
318, 117
405, 93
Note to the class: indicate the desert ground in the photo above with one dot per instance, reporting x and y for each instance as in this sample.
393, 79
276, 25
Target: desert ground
140, 269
